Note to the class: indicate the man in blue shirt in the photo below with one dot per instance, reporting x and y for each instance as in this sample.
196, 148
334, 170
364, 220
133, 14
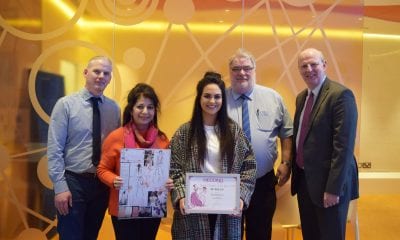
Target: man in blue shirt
269, 119
80, 198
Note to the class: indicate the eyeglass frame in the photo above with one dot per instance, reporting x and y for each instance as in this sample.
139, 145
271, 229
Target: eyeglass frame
246, 69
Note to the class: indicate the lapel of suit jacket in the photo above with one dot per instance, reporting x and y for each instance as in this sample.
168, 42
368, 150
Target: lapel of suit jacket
320, 100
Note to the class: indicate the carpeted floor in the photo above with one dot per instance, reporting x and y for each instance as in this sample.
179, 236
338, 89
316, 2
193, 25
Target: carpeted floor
378, 218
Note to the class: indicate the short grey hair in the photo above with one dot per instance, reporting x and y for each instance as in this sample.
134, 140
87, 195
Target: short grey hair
242, 53
95, 58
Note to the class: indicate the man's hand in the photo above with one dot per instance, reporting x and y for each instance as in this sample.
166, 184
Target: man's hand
283, 173
330, 200
63, 201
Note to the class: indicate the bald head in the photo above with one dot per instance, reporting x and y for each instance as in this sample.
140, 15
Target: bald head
99, 58
310, 52
312, 66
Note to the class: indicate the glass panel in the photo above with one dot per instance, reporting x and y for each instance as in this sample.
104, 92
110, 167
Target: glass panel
45, 45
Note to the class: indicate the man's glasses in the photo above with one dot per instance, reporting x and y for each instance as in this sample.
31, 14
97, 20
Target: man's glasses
246, 69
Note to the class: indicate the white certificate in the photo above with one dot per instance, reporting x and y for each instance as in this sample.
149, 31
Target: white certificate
212, 193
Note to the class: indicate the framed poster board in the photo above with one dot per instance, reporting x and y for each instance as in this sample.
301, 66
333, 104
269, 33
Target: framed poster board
144, 173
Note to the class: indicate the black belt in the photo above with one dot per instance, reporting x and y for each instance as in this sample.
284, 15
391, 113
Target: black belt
84, 174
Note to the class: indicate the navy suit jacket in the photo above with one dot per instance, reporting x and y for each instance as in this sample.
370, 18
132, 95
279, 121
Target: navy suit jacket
329, 162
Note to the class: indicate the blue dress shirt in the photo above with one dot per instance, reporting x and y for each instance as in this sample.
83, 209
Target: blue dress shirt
269, 119
69, 145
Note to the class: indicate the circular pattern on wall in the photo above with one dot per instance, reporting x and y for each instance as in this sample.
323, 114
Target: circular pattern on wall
45, 36
46, 53
125, 12
43, 174
134, 58
178, 11
31, 233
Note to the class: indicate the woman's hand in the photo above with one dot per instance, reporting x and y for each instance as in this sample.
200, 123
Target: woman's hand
169, 184
118, 182
182, 206
239, 212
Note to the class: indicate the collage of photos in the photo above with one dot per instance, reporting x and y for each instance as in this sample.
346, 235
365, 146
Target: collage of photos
145, 171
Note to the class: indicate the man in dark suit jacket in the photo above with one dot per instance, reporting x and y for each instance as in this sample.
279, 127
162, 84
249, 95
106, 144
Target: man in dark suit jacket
324, 170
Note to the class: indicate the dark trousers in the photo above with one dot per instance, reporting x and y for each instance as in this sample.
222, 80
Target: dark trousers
89, 203
318, 223
258, 216
212, 220
131, 229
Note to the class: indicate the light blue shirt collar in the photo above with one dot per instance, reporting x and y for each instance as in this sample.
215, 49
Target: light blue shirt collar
87, 95
236, 96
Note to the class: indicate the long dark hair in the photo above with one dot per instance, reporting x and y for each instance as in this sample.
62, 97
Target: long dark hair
145, 90
197, 136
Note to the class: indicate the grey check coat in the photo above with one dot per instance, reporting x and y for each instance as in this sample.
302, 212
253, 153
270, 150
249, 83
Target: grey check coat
196, 226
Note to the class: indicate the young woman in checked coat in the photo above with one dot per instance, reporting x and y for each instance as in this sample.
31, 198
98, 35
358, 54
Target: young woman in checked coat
210, 143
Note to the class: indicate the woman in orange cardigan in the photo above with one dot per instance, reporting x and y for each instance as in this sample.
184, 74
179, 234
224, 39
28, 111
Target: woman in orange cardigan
139, 130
